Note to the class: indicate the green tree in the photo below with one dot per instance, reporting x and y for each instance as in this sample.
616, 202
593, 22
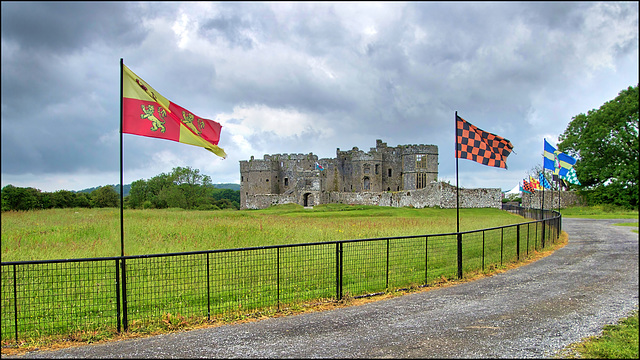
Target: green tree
105, 196
193, 185
605, 145
63, 199
17, 198
137, 194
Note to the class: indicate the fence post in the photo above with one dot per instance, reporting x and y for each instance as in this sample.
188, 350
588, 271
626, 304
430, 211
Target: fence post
483, 246
459, 255
426, 260
387, 280
278, 277
208, 290
544, 234
338, 271
124, 296
518, 242
501, 244
15, 301
118, 323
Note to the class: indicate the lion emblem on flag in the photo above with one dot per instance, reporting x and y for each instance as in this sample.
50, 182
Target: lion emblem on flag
156, 124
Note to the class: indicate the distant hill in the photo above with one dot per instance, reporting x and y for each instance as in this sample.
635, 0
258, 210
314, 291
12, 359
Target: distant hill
127, 187
231, 186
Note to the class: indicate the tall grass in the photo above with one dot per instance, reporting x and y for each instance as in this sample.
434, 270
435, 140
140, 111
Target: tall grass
78, 296
86, 233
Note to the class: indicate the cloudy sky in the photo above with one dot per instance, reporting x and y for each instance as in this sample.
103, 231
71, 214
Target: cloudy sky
287, 77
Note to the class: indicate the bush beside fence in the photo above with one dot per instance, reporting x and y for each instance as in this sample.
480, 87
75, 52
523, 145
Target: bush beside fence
68, 297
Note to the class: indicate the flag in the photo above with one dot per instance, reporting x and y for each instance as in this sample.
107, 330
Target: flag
555, 160
544, 182
319, 167
535, 183
571, 176
147, 113
528, 187
480, 146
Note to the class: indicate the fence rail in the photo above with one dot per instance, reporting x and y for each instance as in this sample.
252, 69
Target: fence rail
79, 296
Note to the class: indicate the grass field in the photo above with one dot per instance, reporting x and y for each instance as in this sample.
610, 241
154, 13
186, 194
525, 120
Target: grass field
599, 212
87, 233
56, 299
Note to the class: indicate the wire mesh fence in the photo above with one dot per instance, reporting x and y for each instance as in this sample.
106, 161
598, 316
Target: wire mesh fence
65, 298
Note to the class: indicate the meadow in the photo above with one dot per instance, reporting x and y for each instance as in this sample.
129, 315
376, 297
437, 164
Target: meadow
88, 233
232, 264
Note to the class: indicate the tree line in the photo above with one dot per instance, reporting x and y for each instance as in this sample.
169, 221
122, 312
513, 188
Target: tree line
183, 188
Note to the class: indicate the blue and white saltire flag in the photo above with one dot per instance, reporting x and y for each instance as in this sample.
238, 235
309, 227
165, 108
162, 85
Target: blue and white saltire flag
571, 177
543, 181
557, 161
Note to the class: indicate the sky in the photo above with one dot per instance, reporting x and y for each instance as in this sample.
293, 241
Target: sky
299, 78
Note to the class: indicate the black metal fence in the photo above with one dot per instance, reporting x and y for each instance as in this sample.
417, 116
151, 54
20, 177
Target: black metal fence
81, 296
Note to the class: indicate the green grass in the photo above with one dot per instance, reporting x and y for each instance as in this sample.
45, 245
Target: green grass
599, 212
87, 233
619, 341
164, 292
633, 224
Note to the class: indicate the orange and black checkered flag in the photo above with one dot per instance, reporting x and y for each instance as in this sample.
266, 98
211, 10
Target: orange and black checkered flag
481, 146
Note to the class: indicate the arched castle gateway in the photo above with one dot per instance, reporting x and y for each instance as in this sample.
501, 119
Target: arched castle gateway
405, 175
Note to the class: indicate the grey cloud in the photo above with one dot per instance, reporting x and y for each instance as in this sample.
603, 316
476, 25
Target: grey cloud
60, 27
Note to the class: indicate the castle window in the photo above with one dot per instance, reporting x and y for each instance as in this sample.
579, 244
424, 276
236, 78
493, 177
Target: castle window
286, 181
367, 183
421, 180
389, 173
377, 169
421, 161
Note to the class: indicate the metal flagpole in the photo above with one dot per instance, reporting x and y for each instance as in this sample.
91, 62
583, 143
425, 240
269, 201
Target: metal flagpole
455, 136
121, 187
459, 236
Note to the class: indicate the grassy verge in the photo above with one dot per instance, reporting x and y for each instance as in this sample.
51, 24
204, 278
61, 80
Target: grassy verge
599, 212
619, 341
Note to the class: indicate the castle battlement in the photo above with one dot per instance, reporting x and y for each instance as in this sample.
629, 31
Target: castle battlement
296, 176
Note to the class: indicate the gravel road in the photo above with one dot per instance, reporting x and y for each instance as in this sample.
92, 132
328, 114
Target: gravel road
529, 312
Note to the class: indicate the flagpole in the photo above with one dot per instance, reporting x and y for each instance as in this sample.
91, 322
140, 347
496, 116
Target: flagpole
455, 136
121, 187
459, 236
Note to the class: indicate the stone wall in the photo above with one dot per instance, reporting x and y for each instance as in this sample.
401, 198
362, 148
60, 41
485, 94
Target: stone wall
553, 199
435, 194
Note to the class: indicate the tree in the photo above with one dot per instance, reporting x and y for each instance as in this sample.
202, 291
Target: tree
17, 198
605, 145
105, 196
192, 184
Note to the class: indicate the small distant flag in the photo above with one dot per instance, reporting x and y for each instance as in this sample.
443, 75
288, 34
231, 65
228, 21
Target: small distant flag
319, 167
557, 161
527, 187
544, 182
480, 146
535, 184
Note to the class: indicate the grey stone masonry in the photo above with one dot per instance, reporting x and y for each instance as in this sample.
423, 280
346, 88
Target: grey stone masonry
405, 175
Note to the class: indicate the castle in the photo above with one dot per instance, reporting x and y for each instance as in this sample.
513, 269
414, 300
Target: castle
405, 175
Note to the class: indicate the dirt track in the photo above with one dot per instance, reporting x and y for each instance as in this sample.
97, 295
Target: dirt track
529, 312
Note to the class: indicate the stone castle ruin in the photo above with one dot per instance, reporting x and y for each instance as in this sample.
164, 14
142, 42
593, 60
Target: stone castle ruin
405, 175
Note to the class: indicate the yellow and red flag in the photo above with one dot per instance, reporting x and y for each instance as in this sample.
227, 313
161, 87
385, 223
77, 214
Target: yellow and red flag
535, 183
147, 113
